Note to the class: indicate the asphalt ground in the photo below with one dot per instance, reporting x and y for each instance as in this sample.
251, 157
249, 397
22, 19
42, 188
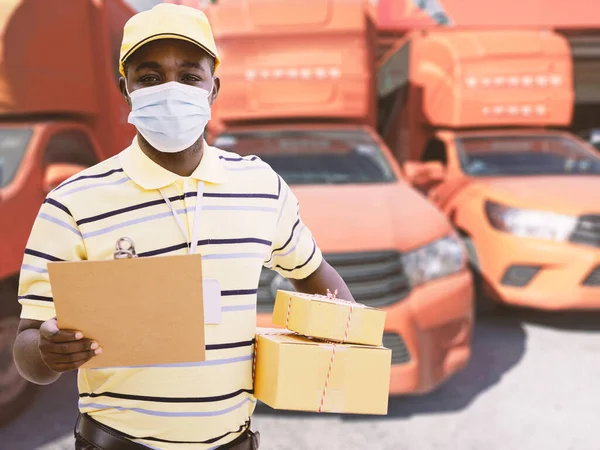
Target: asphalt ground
533, 383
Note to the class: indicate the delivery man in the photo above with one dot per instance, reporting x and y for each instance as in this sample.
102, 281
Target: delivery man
170, 193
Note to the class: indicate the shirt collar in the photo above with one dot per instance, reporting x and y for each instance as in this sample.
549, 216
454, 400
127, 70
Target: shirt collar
149, 175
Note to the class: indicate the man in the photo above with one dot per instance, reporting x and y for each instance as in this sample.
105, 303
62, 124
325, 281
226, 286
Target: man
150, 193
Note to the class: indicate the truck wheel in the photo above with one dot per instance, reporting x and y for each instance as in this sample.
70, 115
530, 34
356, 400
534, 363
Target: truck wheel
16, 393
484, 305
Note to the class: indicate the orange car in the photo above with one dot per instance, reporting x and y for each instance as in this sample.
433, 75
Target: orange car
526, 202
395, 250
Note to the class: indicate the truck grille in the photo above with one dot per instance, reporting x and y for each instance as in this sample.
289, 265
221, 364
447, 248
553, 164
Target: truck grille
593, 279
376, 279
396, 344
587, 231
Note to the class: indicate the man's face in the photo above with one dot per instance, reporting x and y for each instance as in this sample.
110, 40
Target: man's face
167, 60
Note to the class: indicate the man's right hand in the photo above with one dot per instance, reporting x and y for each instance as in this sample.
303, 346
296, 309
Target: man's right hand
65, 350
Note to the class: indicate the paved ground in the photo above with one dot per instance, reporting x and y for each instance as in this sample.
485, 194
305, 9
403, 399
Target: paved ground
533, 383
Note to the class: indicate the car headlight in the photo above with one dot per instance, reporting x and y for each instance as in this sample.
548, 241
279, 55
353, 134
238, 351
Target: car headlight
530, 223
438, 259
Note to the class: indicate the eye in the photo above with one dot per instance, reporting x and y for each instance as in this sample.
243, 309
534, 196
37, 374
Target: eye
191, 78
149, 79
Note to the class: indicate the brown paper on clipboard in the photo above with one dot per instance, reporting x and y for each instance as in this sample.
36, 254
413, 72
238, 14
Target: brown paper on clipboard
142, 311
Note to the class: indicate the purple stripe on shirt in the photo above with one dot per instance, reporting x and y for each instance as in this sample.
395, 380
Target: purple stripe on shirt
314, 250
178, 211
289, 239
92, 186
298, 236
87, 177
234, 256
150, 412
212, 362
249, 307
285, 197
33, 268
239, 208
135, 222
59, 222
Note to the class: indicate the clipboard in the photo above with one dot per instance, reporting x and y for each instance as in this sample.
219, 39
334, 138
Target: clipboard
141, 311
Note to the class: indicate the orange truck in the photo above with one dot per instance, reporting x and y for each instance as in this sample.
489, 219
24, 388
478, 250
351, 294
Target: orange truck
297, 90
60, 111
478, 116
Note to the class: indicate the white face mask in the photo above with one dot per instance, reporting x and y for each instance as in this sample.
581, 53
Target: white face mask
170, 116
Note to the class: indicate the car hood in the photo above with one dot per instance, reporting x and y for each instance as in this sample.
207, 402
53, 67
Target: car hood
562, 194
353, 218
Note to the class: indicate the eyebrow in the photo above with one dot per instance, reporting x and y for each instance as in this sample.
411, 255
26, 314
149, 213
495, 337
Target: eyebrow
148, 65
192, 65
156, 66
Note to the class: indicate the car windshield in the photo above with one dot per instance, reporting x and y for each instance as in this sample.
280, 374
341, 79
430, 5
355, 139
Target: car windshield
525, 155
314, 157
13, 144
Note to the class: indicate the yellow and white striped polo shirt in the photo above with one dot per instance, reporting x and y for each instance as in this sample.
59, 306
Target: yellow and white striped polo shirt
250, 218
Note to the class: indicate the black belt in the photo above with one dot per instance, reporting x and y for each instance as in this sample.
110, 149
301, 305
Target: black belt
106, 438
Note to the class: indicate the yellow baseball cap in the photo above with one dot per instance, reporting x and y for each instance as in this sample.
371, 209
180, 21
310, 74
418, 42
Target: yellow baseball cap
168, 21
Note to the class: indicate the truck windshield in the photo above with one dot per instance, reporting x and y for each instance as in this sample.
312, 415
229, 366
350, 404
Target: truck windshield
314, 157
13, 144
525, 155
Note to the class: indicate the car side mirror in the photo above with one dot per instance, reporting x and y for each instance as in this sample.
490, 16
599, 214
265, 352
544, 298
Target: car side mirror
424, 175
434, 171
57, 173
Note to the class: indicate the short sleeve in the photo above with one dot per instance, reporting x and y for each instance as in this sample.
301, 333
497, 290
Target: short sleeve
55, 236
294, 251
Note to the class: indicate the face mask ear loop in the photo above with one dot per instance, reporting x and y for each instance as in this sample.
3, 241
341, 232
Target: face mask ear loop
211, 87
127, 90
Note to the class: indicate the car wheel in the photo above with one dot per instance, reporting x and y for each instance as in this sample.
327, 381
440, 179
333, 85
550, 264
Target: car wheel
16, 393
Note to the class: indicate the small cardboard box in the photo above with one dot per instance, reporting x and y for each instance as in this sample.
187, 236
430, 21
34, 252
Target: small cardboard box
292, 374
321, 317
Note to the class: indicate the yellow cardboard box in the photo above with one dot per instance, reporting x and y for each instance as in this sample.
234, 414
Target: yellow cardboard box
293, 372
324, 318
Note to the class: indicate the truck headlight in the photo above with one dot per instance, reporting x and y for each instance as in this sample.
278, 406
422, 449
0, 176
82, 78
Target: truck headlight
438, 259
530, 223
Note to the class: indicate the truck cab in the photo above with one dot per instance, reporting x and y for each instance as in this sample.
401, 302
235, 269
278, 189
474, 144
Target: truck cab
60, 112
477, 119
297, 83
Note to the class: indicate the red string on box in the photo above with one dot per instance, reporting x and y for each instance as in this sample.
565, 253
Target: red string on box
332, 359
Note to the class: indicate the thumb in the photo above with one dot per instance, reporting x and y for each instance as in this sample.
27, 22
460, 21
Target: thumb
49, 328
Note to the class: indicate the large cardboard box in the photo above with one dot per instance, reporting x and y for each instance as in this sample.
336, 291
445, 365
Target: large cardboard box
294, 372
326, 318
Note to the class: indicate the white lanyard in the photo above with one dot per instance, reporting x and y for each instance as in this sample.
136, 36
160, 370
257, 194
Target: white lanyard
193, 244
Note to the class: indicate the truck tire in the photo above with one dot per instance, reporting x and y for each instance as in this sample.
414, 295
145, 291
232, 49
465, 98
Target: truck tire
16, 393
484, 305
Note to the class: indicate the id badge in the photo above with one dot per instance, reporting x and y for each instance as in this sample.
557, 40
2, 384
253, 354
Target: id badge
212, 301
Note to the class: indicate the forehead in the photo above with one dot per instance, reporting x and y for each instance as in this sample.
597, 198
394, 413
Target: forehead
168, 51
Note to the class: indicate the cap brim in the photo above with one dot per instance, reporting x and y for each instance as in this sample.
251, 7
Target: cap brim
157, 37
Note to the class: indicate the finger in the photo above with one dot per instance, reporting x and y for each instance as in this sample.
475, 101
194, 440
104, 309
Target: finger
71, 358
55, 335
68, 347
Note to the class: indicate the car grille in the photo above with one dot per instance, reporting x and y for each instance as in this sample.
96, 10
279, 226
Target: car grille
587, 231
396, 344
593, 279
375, 279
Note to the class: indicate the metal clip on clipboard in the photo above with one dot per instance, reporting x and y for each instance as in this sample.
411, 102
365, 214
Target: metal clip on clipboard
125, 249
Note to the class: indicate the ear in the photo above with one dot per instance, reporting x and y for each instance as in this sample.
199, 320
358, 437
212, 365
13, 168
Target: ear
216, 89
123, 89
